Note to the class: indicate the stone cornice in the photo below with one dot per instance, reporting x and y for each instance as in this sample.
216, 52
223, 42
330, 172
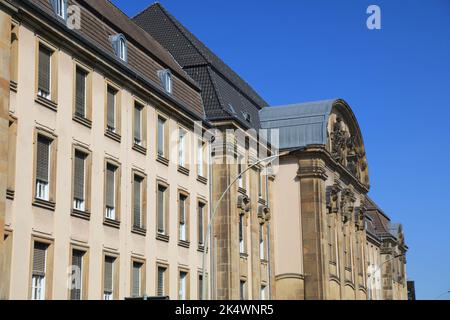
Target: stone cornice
319, 152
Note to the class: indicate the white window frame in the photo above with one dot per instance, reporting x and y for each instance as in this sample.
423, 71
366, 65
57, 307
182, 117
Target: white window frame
262, 245
182, 225
42, 190
182, 147
242, 241
200, 160
182, 285
61, 10
38, 287
161, 149
122, 49
263, 293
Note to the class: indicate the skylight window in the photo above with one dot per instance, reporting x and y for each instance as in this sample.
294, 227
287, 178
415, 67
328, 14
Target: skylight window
166, 79
233, 111
247, 116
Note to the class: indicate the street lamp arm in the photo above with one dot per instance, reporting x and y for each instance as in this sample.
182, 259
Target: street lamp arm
379, 267
213, 214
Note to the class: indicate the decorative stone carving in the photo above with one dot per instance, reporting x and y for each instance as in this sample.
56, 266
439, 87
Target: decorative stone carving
360, 221
338, 141
263, 213
316, 170
243, 203
347, 205
333, 200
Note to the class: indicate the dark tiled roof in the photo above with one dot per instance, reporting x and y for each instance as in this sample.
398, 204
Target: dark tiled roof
221, 86
100, 19
380, 221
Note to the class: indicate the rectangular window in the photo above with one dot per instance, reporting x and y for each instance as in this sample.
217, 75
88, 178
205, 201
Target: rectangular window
136, 290
80, 92
260, 185
161, 282
200, 286
108, 278
111, 120
43, 159
14, 54
161, 209
240, 169
161, 137
45, 72
111, 192
38, 279
200, 158
241, 234
138, 124
77, 273
12, 140
243, 290
79, 181
138, 202
262, 245
182, 148
263, 292
182, 210
60, 8
182, 285
201, 224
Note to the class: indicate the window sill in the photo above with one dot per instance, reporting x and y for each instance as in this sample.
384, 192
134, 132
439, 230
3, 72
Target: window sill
111, 223
81, 214
162, 237
44, 204
113, 135
163, 160
84, 121
183, 170
140, 149
10, 194
201, 248
47, 103
332, 263
138, 230
202, 179
243, 255
13, 86
264, 261
242, 191
184, 243
262, 201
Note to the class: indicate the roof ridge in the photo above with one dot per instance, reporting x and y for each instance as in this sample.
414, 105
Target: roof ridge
203, 50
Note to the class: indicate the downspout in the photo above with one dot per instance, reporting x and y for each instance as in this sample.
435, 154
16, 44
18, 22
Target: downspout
212, 259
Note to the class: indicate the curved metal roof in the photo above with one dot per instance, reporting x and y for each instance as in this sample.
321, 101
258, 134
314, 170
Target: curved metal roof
300, 124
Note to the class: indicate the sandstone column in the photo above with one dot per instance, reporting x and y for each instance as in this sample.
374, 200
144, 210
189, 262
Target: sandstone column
312, 184
5, 43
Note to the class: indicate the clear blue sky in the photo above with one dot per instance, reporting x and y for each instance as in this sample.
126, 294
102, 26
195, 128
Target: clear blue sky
397, 80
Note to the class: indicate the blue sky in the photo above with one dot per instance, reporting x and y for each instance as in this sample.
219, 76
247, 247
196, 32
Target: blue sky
397, 80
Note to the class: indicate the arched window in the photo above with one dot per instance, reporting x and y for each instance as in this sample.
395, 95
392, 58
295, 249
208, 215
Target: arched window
119, 44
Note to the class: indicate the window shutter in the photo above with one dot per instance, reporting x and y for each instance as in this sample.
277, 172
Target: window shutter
39, 255
80, 94
182, 209
137, 122
109, 268
136, 292
160, 281
43, 158
161, 204
79, 175
200, 224
137, 202
111, 101
110, 172
44, 69
77, 262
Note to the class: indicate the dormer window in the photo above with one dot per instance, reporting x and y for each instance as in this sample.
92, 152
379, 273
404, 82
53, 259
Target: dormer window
247, 116
119, 44
166, 79
60, 8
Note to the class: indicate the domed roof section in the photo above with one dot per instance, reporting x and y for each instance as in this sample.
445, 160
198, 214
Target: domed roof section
300, 124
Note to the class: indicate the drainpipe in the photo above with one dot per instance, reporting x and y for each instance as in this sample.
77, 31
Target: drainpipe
269, 268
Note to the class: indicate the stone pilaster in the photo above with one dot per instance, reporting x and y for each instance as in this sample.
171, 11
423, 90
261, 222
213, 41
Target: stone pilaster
5, 43
312, 175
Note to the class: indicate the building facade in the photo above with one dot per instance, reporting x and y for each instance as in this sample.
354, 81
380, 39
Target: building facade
123, 140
